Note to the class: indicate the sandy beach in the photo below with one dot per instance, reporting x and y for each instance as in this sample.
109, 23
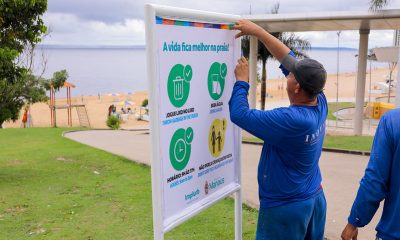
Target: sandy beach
347, 86
97, 110
97, 107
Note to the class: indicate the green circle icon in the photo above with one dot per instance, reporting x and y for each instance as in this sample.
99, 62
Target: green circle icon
180, 148
187, 73
178, 85
189, 135
224, 70
216, 80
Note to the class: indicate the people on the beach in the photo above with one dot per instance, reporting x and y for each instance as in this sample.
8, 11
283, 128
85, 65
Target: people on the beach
380, 182
110, 108
292, 202
25, 117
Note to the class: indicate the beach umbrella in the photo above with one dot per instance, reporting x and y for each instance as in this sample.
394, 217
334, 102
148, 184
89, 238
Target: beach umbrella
128, 103
115, 96
125, 103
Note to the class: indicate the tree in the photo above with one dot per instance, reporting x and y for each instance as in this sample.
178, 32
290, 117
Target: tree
26, 89
21, 26
295, 43
53, 85
57, 81
378, 4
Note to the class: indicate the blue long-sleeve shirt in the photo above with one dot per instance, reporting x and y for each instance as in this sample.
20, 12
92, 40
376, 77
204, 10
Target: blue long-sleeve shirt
288, 170
381, 180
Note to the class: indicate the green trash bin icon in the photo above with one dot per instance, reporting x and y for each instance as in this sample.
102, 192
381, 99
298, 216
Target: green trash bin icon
178, 88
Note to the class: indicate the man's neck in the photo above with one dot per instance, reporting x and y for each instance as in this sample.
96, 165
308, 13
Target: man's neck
305, 102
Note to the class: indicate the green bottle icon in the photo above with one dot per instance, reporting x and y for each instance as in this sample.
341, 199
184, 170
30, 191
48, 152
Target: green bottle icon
216, 80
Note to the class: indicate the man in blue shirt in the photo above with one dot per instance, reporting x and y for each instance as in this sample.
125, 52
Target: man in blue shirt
292, 203
380, 182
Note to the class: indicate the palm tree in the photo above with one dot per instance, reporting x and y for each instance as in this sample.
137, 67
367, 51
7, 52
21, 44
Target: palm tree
53, 85
377, 4
295, 43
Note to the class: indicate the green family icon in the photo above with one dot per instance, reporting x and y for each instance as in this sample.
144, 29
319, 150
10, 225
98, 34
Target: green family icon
178, 85
180, 148
216, 79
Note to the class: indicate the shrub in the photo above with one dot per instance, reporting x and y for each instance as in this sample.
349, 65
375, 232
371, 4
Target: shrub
113, 122
145, 103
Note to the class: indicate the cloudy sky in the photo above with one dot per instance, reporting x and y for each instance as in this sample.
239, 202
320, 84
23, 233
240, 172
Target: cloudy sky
120, 22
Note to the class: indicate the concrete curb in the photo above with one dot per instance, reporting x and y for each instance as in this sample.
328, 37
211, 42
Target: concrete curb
103, 129
336, 150
355, 152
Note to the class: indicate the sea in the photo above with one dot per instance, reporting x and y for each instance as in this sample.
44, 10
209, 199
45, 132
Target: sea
107, 70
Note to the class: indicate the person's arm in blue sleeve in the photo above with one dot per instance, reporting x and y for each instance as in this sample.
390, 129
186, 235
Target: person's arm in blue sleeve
262, 124
374, 185
266, 125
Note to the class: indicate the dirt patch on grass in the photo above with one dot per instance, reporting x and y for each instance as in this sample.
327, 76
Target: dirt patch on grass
37, 231
66, 160
17, 209
15, 162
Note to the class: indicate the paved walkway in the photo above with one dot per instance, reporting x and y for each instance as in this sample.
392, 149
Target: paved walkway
341, 173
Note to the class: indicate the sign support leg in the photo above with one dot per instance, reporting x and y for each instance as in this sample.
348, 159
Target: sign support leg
238, 215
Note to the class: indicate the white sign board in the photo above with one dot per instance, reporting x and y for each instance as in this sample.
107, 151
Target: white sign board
196, 148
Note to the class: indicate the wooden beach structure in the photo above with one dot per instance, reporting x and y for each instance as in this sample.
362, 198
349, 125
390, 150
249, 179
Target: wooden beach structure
80, 108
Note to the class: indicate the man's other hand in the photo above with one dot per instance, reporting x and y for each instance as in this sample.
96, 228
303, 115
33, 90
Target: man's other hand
349, 232
242, 70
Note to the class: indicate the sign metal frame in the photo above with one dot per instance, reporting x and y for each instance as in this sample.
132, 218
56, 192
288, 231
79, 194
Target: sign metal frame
159, 225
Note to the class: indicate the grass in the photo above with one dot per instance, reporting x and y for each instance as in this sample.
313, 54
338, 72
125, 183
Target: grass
360, 143
333, 107
54, 188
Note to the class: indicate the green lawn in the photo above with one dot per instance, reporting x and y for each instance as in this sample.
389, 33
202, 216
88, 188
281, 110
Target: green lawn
333, 106
361, 143
54, 188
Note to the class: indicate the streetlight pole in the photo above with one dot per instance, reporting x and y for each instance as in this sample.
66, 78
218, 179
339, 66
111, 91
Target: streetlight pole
369, 94
337, 78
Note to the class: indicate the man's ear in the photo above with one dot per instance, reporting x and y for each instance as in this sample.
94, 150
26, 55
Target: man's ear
297, 88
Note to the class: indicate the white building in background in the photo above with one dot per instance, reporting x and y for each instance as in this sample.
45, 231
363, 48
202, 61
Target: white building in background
391, 55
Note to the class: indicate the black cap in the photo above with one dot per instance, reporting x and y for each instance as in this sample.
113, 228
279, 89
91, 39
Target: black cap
309, 73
